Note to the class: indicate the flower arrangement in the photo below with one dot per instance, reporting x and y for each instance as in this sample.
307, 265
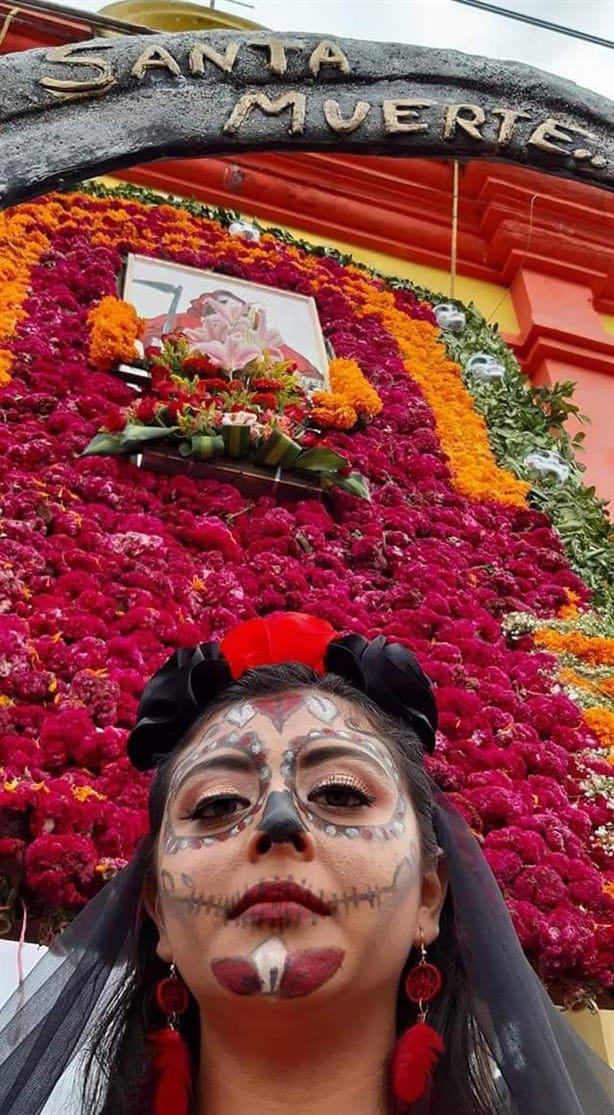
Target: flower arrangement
107, 568
224, 389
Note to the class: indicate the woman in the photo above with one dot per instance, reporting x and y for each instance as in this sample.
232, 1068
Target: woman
307, 927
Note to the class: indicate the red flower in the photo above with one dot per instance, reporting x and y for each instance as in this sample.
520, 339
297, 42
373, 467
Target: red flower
264, 399
263, 384
145, 409
218, 384
197, 364
114, 421
74, 883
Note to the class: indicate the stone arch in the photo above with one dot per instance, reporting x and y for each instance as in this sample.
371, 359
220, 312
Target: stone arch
86, 108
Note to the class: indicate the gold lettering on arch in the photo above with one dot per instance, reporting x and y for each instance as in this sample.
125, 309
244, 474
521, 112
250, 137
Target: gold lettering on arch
293, 100
278, 63
467, 117
328, 53
509, 116
551, 130
402, 115
71, 90
338, 123
155, 58
202, 51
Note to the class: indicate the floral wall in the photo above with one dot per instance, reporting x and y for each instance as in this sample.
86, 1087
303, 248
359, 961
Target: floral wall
494, 573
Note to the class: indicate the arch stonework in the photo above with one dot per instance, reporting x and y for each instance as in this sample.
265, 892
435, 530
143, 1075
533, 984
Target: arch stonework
86, 108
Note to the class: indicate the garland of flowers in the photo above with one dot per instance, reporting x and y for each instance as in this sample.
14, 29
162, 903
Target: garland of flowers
586, 670
521, 420
109, 567
20, 247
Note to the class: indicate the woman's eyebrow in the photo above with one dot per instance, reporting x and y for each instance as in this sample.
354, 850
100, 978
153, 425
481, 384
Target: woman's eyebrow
237, 761
322, 754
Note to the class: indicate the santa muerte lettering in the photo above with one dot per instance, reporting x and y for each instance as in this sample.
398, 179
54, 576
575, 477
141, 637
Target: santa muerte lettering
403, 114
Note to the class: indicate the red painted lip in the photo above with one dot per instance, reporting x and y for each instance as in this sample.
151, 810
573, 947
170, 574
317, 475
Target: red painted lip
280, 896
278, 912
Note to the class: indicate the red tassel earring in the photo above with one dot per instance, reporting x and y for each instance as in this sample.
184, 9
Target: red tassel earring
418, 1050
170, 1057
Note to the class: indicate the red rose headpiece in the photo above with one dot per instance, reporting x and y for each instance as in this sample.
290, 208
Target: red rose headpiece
181, 690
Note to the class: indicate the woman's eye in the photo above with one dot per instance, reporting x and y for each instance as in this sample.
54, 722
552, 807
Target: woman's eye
341, 795
218, 807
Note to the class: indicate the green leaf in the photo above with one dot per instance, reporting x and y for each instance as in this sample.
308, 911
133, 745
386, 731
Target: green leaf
135, 435
355, 484
320, 459
104, 445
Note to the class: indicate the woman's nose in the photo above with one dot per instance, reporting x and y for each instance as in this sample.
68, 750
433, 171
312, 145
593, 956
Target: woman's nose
281, 824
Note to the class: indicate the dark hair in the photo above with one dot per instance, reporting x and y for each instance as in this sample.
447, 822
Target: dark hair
116, 1070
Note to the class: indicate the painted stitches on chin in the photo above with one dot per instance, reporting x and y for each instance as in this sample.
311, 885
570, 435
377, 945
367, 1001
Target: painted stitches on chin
271, 969
278, 903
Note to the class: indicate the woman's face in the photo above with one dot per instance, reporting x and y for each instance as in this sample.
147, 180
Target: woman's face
289, 856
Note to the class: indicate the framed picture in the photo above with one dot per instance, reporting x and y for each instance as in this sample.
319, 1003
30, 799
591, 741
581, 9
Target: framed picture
172, 297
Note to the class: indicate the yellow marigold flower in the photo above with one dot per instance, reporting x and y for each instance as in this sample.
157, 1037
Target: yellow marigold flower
84, 793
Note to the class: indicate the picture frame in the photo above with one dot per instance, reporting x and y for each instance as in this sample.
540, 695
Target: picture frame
169, 295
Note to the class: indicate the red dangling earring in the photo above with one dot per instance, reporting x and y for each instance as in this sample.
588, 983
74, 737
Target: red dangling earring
418, 1050
170, 1057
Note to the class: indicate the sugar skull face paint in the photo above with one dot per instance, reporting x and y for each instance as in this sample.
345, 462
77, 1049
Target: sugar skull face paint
289, 851
270, 969
341, 778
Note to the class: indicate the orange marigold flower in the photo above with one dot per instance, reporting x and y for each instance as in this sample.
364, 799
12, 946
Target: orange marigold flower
347, 379
594, 649
114, 328
330, 410
22, 242
601, 722
462, 431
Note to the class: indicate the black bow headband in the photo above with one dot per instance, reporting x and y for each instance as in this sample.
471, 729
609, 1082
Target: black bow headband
180, 691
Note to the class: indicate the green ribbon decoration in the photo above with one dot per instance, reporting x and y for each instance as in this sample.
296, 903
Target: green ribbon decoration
202, 447
279, 451
236, 440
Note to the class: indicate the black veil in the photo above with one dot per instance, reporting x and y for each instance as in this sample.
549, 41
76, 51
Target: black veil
546, 1067
44, 1024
